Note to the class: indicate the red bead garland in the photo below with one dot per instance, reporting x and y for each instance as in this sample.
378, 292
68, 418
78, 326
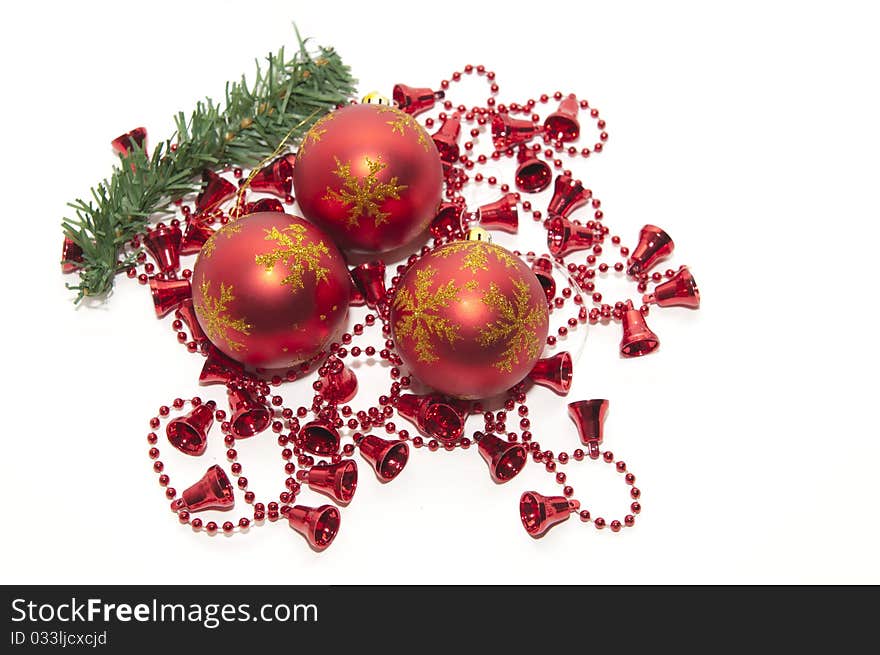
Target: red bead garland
574, 300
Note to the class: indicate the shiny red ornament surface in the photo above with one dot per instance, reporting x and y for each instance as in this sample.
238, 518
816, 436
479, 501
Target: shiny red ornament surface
370, 176
276, 178
163, 244
504, 459
540, 513
563, 124
500, 215
654, 245
507, 131
369, 278
339, 386
386, 457
215, 189
589, 419
564, 237
124, 143
554, 372
638, 339
197, 232
448, 220
339, 481
415, 100
213, 491
189, 433
219, 369
249, 415
469, 319
533, 173
319, 525
434, 416
568, 195
543, 270
71, 256
318, 438
270, 290
446, 139
681, 290
168, 294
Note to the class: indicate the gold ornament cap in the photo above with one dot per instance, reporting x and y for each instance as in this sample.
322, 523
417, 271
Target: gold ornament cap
478, 234
375, 98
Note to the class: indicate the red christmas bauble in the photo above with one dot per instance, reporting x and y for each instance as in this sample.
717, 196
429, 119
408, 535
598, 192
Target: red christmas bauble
270, 290
469, 319
370, 176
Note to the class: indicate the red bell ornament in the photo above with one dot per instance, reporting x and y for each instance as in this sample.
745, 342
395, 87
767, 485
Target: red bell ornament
340, 386
168, 294
434, 416
213, 491
554, 372
469, 319
507, 131
219, 369
249, 415
275, 178
270, 290
386, 457
680, 290
370, 279
71, 256
654, 245
215, 190
189, 433
446, 139
533, 173
448, 221
499, 215
264, 205
589, 418
563, 124
564, 237
163, 244
319, 525
542, 267
504, 459
637, 338
187, 313
318, 438
414, 100
125, 143
339, 481
196, 234
356, 298
568, 195
540, 513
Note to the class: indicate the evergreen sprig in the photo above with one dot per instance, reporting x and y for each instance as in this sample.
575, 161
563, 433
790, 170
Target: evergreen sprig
287, 93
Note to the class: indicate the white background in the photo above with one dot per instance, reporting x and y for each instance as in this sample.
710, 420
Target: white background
748, 131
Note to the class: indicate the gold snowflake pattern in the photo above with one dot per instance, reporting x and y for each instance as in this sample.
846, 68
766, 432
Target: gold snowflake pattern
297, 252
477, 254
421, 313
315, 133
517, 325
214, 318
227, 230
403, 121
363, 195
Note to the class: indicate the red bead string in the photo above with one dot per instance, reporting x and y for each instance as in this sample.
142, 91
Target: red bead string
511, 422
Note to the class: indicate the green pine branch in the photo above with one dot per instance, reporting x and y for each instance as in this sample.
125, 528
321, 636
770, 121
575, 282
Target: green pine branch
250, 126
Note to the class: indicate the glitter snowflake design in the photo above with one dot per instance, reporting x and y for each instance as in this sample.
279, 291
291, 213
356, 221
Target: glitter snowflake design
214, 319
363, 195
227, 230
297, 252
316, 133
476, 254
517, 325
402, 122
421, 313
